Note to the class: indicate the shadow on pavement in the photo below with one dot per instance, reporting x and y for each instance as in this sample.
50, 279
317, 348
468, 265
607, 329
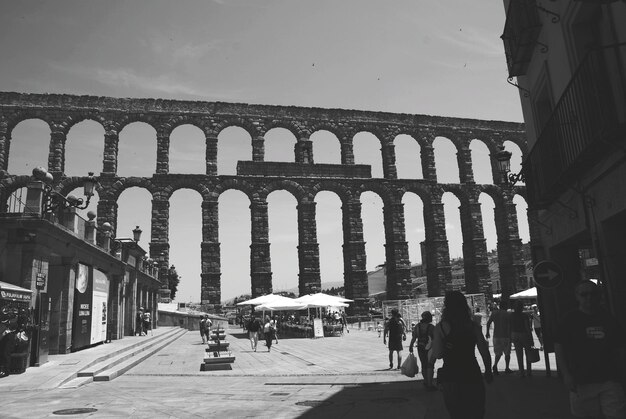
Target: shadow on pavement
507, 398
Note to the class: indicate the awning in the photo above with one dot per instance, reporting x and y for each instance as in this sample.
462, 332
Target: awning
529, 293
14, 293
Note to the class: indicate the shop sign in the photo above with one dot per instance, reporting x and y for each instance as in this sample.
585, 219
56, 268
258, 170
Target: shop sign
14, 295
40, 281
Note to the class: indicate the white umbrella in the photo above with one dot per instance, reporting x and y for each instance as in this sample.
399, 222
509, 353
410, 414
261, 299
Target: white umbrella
281, 305
529, 293
321, 300
259, 300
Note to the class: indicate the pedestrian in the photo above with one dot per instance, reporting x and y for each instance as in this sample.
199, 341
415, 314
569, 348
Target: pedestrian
205, 328
139, 322
424, 333
379, 328
536, 317
274, 326
268, 332
455, 338
146, 322
521, 337
501, 336
588, 343
397, 334
344, 322
254, 326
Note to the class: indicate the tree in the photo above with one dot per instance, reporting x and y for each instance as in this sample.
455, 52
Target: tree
173, 280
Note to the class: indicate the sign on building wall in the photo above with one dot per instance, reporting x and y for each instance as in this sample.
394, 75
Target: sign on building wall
81, 330
100, 297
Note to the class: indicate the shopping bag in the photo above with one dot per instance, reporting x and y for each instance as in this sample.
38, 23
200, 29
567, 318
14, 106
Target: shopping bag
533, 355
409, 366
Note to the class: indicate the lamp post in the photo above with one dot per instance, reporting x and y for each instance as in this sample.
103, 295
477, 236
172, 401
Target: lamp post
503, 158
137, 234
52, 200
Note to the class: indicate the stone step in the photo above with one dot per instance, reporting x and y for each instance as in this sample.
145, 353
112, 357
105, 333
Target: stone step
127, 362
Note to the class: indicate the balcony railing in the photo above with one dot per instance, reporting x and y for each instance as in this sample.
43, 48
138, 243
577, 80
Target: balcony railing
588, 118
521, 31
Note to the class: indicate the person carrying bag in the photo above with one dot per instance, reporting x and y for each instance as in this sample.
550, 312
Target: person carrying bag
460, 378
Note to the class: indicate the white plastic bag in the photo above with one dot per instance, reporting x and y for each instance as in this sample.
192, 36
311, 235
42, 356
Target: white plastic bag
409, 366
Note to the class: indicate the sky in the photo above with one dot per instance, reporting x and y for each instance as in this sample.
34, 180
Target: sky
434, 57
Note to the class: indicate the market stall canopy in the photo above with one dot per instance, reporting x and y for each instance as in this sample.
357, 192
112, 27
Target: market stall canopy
323, 300
529, 293
14, 293
281, 305
260, 300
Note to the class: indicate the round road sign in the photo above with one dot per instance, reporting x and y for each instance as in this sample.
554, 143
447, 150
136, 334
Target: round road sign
547, 274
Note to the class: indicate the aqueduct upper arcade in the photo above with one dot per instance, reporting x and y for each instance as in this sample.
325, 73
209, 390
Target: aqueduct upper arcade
302, 177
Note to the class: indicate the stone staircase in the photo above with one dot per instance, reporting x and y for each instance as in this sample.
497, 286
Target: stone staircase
114, 364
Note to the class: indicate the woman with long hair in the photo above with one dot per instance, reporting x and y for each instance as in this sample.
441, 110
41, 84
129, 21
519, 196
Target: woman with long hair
456, 337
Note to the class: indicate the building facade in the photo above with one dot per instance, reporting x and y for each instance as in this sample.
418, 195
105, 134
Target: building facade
569, 61
82, 293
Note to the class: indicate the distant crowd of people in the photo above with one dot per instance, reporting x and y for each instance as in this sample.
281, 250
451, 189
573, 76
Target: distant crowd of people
587, 344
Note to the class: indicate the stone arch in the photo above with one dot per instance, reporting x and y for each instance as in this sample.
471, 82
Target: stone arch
167, 127
304, 183
243, 123
76, 118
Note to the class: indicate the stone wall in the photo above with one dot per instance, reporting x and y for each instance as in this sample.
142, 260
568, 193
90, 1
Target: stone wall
303, 178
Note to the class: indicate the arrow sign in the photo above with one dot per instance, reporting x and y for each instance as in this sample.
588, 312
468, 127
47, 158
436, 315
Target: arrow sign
547, 274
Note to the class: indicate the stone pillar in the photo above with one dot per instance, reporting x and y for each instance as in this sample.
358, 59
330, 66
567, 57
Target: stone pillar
464, 160
511, 266
111, 147
159, 246
210, 255
438, 270
258, 148
397, 264
5, 143
308, 250
211, 154
389, 160
56, 157
354, 258
107, 213
347, 151
428, 162
304, 151
476, 263
260, 260
163, 153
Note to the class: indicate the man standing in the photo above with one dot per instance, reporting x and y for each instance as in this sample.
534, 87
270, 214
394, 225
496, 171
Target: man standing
587, 347
501, 336
254, 326
397, 334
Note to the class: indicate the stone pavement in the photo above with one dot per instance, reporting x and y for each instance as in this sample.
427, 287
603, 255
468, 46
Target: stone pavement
335, 377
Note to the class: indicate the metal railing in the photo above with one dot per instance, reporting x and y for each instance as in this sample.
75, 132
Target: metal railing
521, 31
588, 117
16, 202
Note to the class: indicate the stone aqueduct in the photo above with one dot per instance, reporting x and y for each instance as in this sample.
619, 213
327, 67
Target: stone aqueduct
303, 178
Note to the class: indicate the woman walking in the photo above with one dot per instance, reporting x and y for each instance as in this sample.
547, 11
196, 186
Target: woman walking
521, 337
456, 337
423, 333
268, 331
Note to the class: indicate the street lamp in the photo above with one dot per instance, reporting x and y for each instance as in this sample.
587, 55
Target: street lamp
503, 158
53, 200
137, 234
